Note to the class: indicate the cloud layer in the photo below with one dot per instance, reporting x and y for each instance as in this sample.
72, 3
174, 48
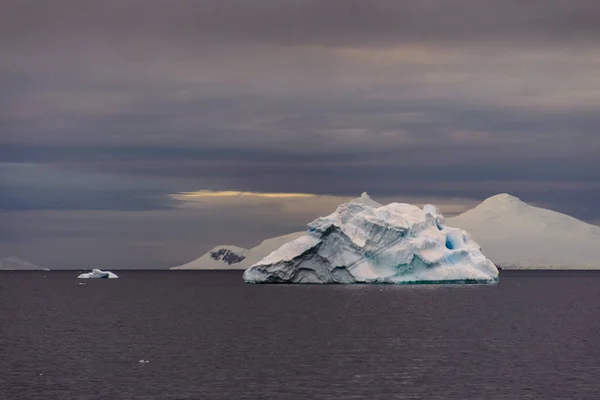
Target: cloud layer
119, 105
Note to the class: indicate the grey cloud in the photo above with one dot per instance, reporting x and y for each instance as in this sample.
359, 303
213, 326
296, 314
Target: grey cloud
43, 187
333, 22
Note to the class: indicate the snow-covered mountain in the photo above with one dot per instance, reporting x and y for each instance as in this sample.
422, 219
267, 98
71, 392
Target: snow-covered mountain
15, 263
233, 257
512, 233
516, 235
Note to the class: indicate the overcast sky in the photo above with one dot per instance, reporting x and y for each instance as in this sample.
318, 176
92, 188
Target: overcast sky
109, 109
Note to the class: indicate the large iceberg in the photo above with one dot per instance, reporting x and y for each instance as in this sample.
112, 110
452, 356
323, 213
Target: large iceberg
96, 273
364, 242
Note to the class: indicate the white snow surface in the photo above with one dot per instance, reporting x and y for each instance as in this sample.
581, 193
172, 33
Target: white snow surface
15, 263
365, 242
98, 274
516, 235
226, 257
220, 257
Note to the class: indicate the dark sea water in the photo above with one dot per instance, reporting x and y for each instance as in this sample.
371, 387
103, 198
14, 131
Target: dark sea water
207, 335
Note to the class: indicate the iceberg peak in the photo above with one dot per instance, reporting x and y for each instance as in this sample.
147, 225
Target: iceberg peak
365, 199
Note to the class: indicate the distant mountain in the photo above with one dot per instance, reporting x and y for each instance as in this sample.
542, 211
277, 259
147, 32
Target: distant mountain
512, 233
220, 257
15, 263
234, 257
516, 235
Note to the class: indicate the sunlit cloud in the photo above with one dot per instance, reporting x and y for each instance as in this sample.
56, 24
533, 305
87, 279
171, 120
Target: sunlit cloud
300, 206
268, 203
230, 193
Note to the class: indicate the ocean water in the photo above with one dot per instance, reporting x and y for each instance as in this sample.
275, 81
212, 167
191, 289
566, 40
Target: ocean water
207, 335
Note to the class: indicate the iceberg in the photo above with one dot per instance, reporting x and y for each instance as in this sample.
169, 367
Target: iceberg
365, 242
98, 274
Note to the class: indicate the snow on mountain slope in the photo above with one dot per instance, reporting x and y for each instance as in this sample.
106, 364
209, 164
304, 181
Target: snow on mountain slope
15, 263
233, 257
516, 235
220, 257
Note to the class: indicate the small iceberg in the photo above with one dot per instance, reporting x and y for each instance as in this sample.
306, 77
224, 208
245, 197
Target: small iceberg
98, 274
364, 242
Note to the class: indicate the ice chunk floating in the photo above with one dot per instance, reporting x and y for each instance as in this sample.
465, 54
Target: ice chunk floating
364, 242
96, 273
